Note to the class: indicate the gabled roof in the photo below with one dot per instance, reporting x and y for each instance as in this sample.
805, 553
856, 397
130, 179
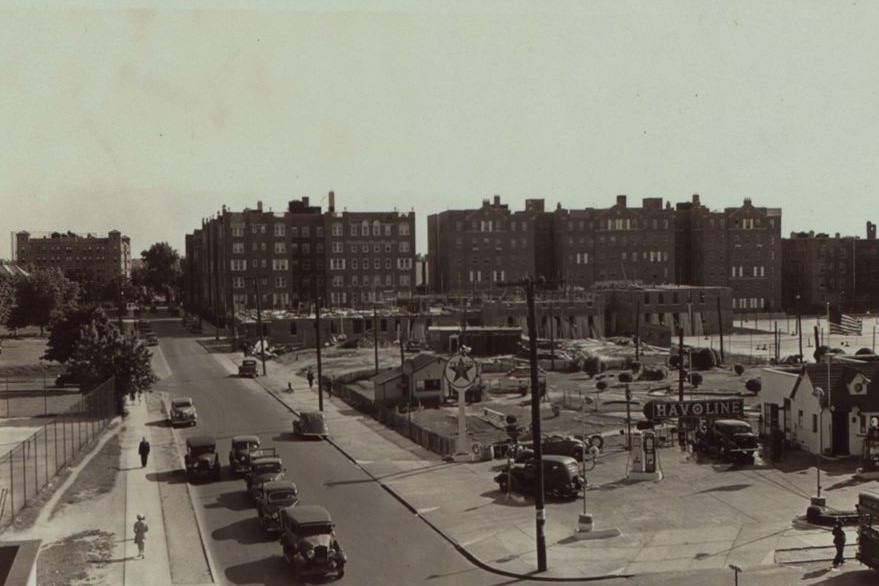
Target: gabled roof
386, 375
422, 360
838, 376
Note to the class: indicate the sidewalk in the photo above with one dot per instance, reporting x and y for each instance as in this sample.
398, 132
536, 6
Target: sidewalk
688, 521
142, 497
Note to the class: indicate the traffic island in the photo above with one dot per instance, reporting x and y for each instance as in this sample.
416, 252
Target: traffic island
818, 513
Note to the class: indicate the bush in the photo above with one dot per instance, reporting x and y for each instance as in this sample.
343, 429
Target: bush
740, 370
864, 352
635, 366
601, 385
704, 358
656, 373
754, 385
592, 365
674, 361
695, 379
625, 377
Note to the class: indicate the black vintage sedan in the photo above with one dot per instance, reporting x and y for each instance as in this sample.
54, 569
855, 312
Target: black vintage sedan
561, 477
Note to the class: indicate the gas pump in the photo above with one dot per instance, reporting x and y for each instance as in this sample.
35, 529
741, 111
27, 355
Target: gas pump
870, 456
644, 463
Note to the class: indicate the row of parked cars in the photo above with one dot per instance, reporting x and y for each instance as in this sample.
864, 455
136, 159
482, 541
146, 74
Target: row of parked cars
307, 532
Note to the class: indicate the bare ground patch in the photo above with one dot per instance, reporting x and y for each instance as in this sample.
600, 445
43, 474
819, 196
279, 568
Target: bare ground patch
72, 559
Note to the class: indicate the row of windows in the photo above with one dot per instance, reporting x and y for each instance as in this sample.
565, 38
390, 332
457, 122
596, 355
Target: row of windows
377, 247
279, 230
756, 271
279, 247
61, 259
748, 302
491, 226
376, 281
476, 276
376, 228
498, 244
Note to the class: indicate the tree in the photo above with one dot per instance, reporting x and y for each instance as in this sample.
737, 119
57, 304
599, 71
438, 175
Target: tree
162, 264
43, 296
65, 333
102, 354
7, 298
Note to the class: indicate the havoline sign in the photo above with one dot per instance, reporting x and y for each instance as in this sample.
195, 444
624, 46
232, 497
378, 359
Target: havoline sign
710, 409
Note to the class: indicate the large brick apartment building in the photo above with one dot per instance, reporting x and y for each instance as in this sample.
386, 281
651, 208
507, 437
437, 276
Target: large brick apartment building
655, 244
840, 270
81, 257
348, 259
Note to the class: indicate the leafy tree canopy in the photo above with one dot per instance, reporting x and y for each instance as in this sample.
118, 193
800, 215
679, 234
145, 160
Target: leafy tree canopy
41, 297
7, 298
102, 354
162, 266
65, 333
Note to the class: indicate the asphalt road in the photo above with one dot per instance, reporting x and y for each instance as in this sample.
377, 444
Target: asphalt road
385, 542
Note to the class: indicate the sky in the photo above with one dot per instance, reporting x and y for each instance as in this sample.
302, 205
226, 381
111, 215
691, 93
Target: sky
147, 118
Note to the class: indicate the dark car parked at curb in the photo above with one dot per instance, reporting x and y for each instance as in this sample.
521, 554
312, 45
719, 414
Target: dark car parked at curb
559, 445
561, 477
309, 544
240, 452
202, 460
271, 497
248, 368
730, 439
311, 424
66, 378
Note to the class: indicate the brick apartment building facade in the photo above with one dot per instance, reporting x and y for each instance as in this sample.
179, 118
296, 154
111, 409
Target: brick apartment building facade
653, 244
818, 268
100, 259
292, 258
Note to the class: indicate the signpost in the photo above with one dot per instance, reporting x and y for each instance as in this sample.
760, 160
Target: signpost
461, 373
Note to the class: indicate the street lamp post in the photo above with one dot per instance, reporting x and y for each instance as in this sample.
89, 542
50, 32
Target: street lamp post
262, 346
821, 396
799, 328
318, 344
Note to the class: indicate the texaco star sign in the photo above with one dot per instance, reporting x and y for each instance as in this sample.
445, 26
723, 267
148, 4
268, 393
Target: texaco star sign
461, 372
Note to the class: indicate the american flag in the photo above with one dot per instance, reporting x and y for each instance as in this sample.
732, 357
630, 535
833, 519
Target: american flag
848, 325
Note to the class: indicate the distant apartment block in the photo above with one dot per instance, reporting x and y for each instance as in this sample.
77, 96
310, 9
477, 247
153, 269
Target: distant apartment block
81, 257
347, 259
654, 244
840, 270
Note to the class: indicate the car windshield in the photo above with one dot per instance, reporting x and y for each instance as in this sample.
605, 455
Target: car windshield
199, 450
267, 468
180, 403
281, 496
244, 445
316, 529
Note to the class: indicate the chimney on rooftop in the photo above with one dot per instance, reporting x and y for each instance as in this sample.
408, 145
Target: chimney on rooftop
696, 202
305, 201
621, 201
871, 231
497, 200
331, 206
259, 206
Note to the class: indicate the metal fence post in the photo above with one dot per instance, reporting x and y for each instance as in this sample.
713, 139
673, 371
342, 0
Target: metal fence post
46, 452
24, 472
12, 483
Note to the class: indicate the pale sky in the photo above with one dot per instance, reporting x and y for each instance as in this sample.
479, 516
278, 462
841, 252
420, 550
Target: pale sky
148, 120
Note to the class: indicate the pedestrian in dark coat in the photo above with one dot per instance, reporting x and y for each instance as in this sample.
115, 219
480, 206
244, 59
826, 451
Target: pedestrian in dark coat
144, 450
839, 542
310, 376
140, 529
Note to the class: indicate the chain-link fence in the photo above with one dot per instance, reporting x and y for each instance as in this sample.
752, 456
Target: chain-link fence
27, 468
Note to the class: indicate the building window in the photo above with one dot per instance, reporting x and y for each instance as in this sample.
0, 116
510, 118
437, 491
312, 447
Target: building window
237, 248
337, 264
279, 229
354, 264
376, 264
337, 229
280, 282
354, 230
294, 231
404, 280
238, 264
387, 247
404, 246
404, 229
337, 247
306, 231
387, 263
279, 264
280, 248
238, 282
238, 230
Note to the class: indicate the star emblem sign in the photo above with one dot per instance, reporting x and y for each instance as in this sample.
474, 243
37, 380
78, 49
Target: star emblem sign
461, 370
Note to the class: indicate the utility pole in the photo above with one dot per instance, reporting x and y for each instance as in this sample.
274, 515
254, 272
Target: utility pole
551, 338
535, 428
318, 344
799, 328
375, 333
262, 346
720, 328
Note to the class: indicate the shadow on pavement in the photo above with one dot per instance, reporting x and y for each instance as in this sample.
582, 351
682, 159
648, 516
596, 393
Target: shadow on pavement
512, 500
725, 488
177, 476
234, 501
271, 570
246, 532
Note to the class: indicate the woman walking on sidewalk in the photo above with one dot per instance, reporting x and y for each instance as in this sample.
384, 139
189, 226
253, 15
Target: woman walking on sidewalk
839, 542
140, 529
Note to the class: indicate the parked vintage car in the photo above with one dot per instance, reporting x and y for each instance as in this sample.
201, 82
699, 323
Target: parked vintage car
263, 468
731, 439
557, 445
308, 542
152, 340
240, 452
66, 378
182, 412
248, 367
202, 459
561, 477
311, 424
271, 497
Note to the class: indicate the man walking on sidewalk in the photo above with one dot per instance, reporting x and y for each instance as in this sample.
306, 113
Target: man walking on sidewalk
140, 529
839, 542
310, 376
144, 450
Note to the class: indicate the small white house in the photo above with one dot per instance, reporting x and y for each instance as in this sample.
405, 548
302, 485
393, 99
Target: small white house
821, 406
